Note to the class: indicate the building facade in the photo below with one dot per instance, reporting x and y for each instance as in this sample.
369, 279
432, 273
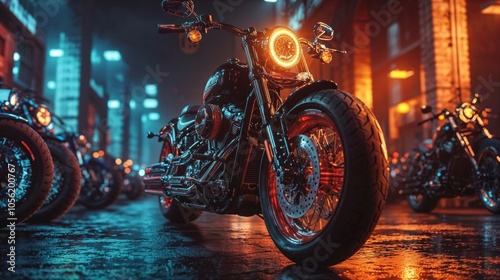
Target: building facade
403, 54
22, 45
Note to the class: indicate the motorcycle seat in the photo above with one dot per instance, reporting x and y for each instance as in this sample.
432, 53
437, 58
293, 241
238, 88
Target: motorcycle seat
187, 117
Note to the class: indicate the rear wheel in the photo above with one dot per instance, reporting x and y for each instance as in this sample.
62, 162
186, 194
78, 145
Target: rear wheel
133, 187
420, 202
489, 166
65, 186
26, 170
330, 209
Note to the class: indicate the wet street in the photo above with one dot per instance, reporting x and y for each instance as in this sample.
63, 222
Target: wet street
132, 240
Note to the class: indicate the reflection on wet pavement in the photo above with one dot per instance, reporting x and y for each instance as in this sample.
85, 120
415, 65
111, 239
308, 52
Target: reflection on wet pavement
132, 240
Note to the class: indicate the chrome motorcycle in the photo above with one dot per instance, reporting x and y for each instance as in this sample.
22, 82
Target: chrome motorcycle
462, 159
67, 178
26, 169
314, 165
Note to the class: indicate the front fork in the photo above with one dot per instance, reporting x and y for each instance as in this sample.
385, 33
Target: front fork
464, 142
277, 146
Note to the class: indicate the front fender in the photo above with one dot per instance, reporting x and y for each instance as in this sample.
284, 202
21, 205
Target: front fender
12, 117
57, 138
305, 91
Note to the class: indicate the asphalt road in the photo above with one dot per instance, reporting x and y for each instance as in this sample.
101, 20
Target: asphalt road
132, 240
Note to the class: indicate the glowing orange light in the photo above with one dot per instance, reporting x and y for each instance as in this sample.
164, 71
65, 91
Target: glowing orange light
194, 36
95, 155
401, 74
284, 47
403, 108
326, 57
491, 8
118, 161
101, 153
127, 170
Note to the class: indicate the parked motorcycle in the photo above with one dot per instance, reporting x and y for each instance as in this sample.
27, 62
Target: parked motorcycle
26, 169
67, 176
314, 165
463, 158
101, 183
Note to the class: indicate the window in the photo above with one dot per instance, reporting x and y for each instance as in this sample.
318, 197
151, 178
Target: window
23, 68
393, 40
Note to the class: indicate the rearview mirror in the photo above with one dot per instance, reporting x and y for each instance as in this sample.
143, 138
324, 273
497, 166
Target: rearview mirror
425, 109
323, 31
178, 8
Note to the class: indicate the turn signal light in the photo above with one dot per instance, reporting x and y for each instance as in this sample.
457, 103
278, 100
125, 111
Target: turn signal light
194, 36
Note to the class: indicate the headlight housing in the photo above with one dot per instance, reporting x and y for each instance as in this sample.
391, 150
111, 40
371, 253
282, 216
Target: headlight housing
284, 47
43, 115
466, 112
13, 99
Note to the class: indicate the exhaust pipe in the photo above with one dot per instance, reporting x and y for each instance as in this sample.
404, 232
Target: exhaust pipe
154, 178
156, 182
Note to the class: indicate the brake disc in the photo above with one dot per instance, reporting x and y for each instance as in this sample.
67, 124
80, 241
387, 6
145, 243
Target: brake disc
297, 198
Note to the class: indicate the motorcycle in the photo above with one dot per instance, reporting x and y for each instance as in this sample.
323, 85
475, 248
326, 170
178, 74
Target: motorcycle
463, 158
67, 176
314, 166
100, 183
26, 169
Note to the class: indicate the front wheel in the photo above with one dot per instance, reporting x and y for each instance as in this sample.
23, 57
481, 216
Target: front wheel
332, 206
102, 184
65, 186
26, 171
488, 159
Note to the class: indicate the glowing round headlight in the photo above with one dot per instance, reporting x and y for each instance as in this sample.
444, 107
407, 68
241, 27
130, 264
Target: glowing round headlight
284, 47
43, 116
466, 112
13, 98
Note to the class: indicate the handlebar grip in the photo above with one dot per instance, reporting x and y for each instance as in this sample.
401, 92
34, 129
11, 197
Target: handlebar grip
170, 28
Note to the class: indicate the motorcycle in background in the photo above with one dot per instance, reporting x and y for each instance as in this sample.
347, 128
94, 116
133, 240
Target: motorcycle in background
462, 159
26, 168
314, 165
101, 184
67, 176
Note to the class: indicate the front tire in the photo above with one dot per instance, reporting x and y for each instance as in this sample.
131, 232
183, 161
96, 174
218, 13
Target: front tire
23, 147
65, 186
488, 159
327, 217
102, 185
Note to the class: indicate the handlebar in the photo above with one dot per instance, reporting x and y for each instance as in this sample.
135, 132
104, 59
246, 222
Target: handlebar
203, 23
427, 120
170, 28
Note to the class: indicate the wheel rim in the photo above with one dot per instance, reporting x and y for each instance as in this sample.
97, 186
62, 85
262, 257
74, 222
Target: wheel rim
11, 152
99, 183
300, 228
490, 185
